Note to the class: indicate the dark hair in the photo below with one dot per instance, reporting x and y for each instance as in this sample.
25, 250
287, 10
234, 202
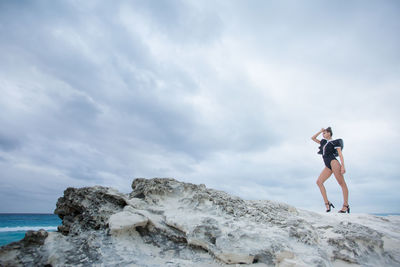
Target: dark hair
329, 130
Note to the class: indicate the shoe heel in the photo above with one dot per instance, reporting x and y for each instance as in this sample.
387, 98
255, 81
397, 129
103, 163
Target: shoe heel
344, 211
330, 205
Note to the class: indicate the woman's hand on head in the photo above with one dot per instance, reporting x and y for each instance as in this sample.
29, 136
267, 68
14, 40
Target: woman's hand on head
322, 129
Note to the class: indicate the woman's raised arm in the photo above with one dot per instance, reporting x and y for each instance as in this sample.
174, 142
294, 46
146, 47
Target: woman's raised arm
314, 137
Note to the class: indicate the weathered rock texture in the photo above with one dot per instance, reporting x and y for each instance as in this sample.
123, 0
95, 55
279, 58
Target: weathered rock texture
164, 222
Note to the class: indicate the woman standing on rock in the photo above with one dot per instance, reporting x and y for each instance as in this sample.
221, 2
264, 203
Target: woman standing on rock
330, 149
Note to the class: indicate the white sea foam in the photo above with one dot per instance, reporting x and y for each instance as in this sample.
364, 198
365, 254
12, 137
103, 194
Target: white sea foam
26, 228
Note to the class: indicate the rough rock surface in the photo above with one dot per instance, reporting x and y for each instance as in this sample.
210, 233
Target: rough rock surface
164, 222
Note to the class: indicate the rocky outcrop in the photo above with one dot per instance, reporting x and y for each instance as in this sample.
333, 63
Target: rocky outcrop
27, 252
87, 208
164, 222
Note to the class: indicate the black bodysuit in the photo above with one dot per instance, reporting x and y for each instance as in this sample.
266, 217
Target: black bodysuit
328, 150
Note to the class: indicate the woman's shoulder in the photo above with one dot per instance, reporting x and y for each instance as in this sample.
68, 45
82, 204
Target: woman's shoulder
338, 142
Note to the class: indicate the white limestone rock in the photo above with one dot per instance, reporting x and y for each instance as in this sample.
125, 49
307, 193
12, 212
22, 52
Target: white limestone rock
164, 222
125, 221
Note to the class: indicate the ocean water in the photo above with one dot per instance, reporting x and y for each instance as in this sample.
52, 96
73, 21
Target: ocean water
13, 226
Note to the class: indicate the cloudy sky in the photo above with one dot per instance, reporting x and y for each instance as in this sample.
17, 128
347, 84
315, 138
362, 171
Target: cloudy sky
225, 93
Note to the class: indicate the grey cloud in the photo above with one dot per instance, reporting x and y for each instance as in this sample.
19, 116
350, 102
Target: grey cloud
181, 21
345, 40
79, 111
92, 98
9, 143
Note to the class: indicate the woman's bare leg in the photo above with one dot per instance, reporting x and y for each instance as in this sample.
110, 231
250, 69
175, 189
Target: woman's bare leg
340, 179
325, 174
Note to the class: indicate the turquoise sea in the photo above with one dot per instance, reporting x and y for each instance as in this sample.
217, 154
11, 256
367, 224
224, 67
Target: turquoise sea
14, 225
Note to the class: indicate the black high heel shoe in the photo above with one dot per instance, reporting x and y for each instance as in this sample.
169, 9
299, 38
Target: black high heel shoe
330, 205
346, 210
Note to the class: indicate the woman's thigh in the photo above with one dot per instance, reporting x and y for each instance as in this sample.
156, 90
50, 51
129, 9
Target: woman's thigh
325, 174
336, 171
